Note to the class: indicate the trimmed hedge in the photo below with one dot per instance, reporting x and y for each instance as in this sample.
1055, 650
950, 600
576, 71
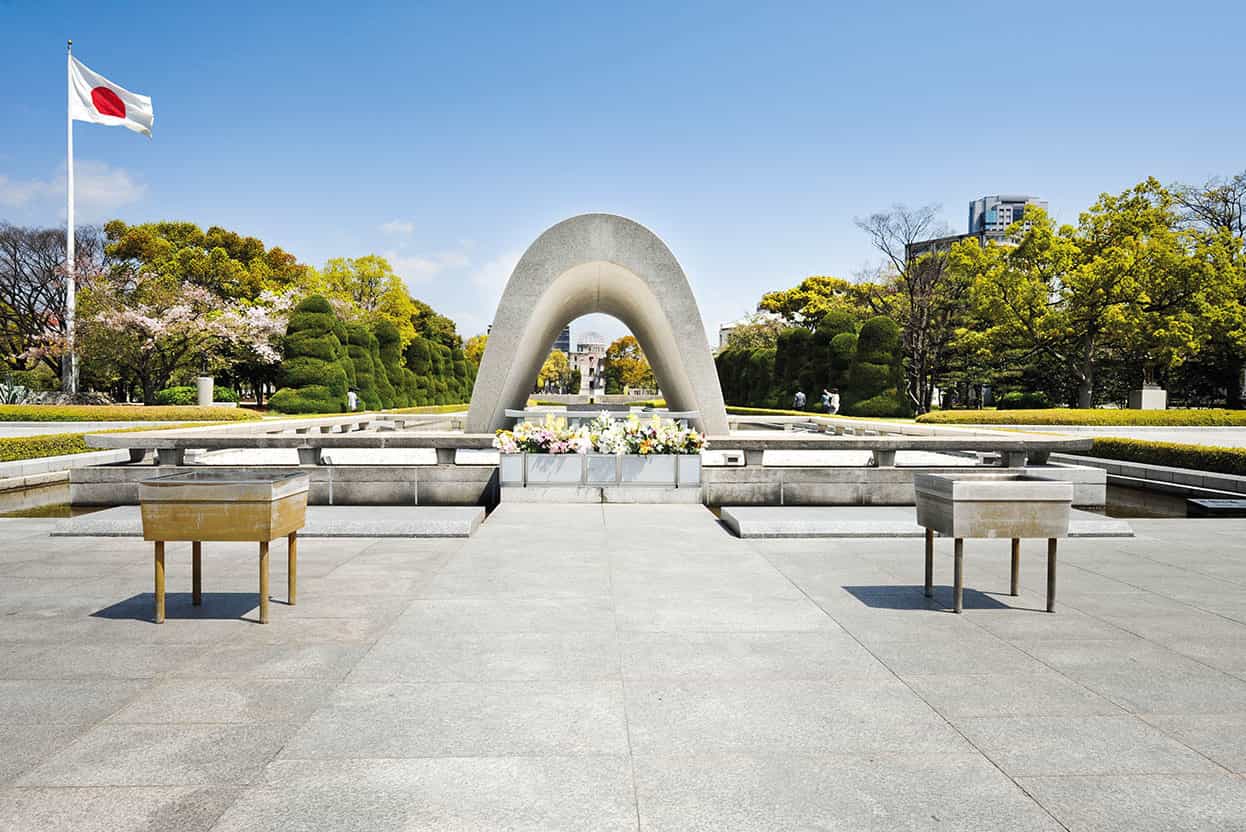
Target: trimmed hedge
317, 370
186, 394
813, 411
432, 408
1018, 400
14, 448
1210, 458
121, 413
1074, 416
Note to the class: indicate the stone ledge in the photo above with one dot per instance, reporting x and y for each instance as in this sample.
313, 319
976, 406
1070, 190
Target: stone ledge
867, 521
322, 521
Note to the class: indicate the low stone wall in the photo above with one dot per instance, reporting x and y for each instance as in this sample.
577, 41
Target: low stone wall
331, 485
754, 485
449, 484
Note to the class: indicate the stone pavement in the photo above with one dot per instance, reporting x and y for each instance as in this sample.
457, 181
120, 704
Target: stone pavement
625, 667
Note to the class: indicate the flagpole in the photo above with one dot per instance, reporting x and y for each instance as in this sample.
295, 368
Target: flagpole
69, 362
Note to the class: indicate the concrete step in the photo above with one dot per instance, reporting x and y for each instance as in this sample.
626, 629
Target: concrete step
873, 521
322, 521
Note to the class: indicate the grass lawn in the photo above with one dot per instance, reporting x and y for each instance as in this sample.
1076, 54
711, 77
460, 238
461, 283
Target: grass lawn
1092, 417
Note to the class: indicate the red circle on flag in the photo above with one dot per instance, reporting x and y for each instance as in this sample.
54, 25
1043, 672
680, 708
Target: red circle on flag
107, 102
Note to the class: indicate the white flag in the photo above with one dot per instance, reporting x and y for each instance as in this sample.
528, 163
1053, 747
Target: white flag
96, 99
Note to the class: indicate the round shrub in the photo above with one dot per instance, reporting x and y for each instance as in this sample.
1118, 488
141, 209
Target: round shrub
177, 395
1019, 400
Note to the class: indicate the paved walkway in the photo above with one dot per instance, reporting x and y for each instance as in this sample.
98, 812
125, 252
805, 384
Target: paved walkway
623, 668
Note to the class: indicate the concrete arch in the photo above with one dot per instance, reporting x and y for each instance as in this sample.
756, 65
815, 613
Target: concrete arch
597, 263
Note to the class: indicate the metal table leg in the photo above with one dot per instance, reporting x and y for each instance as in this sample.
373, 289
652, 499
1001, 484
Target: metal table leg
929, 562
264, 582
958, 579
292, 565
196, 579
1051, 574
159, 581
1016, 566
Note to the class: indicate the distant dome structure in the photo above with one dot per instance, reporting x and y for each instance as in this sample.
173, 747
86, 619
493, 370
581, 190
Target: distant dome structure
595, 339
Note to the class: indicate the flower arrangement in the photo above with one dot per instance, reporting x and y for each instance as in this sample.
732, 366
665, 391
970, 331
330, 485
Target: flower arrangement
603, 436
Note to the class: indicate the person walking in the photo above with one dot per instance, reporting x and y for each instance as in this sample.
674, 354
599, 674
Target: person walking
832, 406
352, 399
798, 403
826, 400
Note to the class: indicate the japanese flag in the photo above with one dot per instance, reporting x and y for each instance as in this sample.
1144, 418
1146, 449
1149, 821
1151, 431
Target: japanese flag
96, 99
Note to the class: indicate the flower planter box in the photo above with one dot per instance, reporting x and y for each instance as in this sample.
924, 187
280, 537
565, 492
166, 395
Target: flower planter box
689, 470
664, 470
635, 469
601, 469
554, 469
510, 469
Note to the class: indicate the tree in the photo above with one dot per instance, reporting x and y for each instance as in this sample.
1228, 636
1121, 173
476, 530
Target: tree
32, 290
555, 374
1218, 209
221, 261
925, 297
625, 366
760, 331
373, 291
150, 326
815, 297
315, 380
474, 349
1127, 282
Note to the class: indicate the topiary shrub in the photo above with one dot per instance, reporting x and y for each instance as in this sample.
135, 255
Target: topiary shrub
313, 371
224, 394
884, 405
1018, 400
177, 395
396, 387
365, 355
877, 369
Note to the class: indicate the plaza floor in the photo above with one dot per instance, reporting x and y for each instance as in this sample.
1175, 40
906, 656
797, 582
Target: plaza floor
625, 667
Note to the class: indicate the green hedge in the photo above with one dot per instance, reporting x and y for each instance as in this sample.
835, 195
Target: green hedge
14, 448
1208, 458
186, 394
1073, 416
121, 413
1020, 400
813, 411
432, 408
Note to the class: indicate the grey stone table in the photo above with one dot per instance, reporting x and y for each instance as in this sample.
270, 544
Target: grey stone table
992, 505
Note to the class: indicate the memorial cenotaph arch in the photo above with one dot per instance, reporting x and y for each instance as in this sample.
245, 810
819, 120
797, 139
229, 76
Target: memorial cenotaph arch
597, 263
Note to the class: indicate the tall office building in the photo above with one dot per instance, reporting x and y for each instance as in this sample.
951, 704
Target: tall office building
563, 341
989, 218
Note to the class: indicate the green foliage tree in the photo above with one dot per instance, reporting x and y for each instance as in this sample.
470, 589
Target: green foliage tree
221, 261
1129, 281
312, 371
474, 349
816, 297
365, 355
555, 374
371, 288
625, 366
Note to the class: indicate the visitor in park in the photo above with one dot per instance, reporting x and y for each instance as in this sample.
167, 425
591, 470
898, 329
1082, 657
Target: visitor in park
832, 405
352, 400
826, 400
798, 403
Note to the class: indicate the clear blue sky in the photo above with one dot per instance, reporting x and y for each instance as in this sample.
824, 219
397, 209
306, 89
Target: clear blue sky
747, 135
